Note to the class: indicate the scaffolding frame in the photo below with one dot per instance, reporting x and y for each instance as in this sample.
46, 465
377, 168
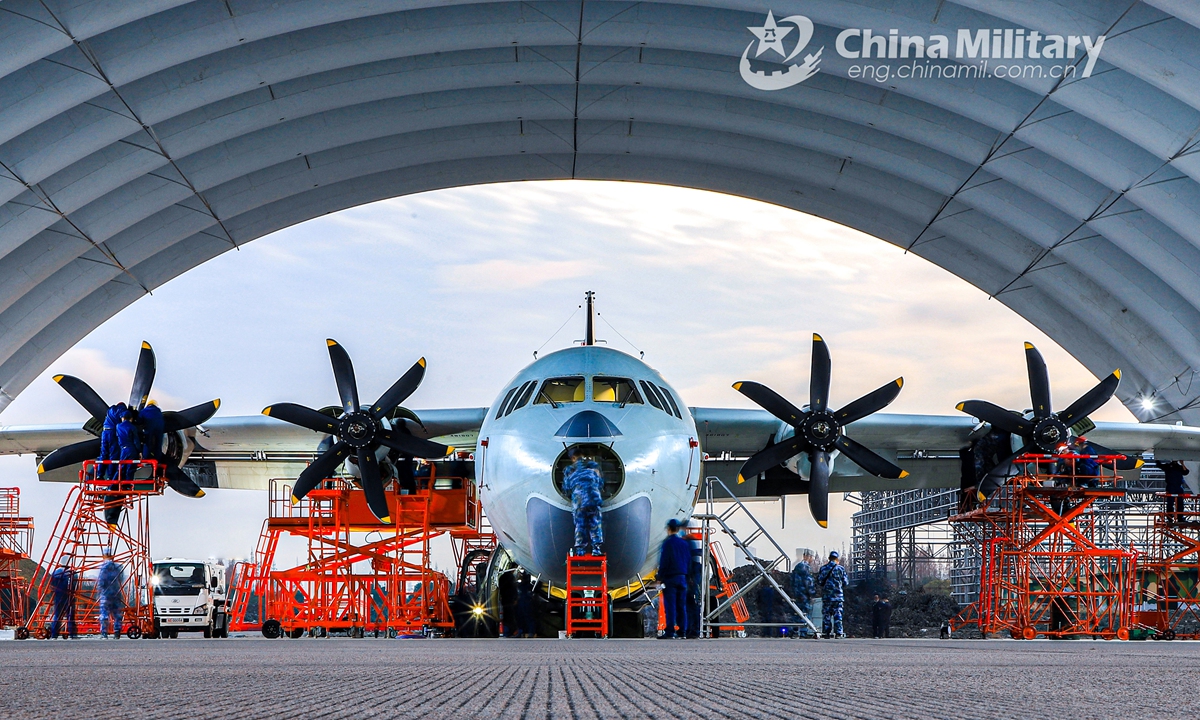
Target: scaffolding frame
16, 540
1169, 589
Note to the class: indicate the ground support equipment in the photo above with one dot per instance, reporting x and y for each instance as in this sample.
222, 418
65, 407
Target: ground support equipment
1169, 591
1044, 572
587, 595
361, 576
80, 537
16, 539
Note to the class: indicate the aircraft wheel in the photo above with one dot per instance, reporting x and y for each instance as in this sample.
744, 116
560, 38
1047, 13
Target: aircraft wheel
272, 629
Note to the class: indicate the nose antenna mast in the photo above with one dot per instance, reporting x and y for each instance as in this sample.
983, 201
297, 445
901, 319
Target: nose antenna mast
590, 338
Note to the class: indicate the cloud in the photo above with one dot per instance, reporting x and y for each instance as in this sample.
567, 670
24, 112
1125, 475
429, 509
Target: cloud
493, 276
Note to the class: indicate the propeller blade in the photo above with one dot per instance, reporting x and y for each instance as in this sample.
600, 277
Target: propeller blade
1039, 382
818, 487
343, 374
319, 470
112, 513
178, 481
870, 403
771, 401
997, 417
868, 460
190, 417
1091, 400
400, 390
818, 381
70, 455
414, 446
1131, 462
302, 416
143, 377
999, 475
764, 460
372, 484
84, 395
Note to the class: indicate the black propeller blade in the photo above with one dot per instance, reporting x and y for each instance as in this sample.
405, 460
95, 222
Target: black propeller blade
191, 417
178, 481
84, 395
71, 455
818, 431
143, 377
1046, 432
360, 433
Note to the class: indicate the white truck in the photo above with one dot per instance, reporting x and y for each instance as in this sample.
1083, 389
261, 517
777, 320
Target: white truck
189, 596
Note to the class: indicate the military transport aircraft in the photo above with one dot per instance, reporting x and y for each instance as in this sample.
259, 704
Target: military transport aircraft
654, 449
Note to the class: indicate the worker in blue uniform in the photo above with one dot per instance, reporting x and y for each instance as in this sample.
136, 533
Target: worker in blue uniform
63, 584
582, 479
673, 561
110, 588
833, 581
109, 450
129, 441
151, 420
695, 577
1176, 488
803, 589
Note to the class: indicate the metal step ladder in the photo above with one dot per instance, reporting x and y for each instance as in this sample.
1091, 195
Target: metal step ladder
587, 595
713, 522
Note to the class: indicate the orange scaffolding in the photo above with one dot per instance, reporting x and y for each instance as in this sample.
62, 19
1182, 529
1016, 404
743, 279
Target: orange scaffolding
587, 595
80, 536
1043, 572
721, 587
1169, 573
16, 540
360, 575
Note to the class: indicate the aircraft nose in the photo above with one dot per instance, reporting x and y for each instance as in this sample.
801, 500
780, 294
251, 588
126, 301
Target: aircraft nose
588, 425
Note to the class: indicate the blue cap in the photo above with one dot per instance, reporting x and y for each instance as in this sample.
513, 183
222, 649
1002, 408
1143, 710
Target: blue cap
833, 555
672, 524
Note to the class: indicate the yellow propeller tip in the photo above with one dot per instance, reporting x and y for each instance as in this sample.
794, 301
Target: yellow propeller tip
823, 523
903, 474
1117, 372
449, 449
217, 404
146, 345
1029, 346
386, 519
58, 378
41, 469
959, 407
330, 342
421, 362
112, 527
900, 381
199, 493
1139, 463
267, 410
741, 479
737, 386
981, 497
295, 500
818, 338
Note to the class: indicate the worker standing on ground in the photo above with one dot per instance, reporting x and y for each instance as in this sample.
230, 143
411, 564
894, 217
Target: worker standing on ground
62, 583
525, 624
151, 420
110, 587
109, 449
803, 588
833, 581
1173, 473
695, 577
881, 617
673, 563
582, 479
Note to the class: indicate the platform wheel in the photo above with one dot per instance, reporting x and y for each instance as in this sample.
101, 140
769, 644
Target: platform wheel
134, 633
1028, 633
296, 633
392, 633
1169, 635
22, 633
272, 629
41, 634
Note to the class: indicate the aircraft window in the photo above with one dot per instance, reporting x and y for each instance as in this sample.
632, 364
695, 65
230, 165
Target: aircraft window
611, 469
504, 403
525, 395
652, 396
561, 390
512, 404
615, 390
667, 396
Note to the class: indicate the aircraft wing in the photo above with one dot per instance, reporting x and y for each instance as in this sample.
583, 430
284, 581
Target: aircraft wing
925, 445
242, 452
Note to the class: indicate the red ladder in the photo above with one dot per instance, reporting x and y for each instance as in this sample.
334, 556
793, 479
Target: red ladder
587, 594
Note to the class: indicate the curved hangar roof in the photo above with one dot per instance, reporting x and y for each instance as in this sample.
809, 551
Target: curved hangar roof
140, 139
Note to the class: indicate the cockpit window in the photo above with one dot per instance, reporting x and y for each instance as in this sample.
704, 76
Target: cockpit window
667, 396
651, 395
523, 398
504, 402
615, 390
561, 390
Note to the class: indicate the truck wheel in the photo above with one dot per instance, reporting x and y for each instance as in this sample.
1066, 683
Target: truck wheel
272, 629
208, 630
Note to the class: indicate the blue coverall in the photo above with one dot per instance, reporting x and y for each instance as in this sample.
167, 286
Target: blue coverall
832, 579
112, 599
62, 583
695, 578
109, 450
673, 563
583, 480
803, 589
151, 420
130, 442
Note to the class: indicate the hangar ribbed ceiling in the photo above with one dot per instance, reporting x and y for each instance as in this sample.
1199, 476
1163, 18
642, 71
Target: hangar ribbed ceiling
140, 139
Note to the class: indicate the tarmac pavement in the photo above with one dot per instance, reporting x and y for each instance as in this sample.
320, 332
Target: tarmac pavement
750, 678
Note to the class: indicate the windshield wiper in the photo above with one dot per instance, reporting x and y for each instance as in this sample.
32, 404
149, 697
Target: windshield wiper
549, 399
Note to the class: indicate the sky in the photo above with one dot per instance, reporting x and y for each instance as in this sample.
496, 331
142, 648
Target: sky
712, 288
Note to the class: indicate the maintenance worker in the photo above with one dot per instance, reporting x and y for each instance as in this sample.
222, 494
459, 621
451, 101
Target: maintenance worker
582, 479
695, 577
525, 624
673, 563
63, 585
881, 617
153, 427
109, 450
833, 581
130, 442
1176, 488
803, 588
109, 586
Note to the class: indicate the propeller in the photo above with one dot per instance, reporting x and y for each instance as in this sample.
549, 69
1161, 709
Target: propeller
359, 431
1046, 432
143, 379
818, 431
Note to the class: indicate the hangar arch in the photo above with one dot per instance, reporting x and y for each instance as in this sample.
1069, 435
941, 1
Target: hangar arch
138, 140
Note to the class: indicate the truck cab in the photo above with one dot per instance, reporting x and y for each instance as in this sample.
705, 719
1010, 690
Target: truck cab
189, 596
